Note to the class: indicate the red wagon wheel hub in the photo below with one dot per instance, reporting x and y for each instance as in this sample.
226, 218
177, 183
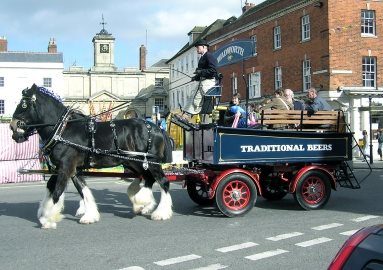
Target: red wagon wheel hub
313, 190
236, 195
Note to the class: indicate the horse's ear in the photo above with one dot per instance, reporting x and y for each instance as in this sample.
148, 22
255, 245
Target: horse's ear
24, 92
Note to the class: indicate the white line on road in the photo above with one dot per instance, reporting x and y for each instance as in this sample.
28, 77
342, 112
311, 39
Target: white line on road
327, 226
177, 260
236, 247
266, 254
211, 267
348, 233
313, 242
133, 268
360, 219
284, 236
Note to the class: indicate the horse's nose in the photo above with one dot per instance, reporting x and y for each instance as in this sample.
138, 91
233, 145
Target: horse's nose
13, 125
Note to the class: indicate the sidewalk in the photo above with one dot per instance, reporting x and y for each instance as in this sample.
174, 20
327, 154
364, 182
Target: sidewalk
359, 164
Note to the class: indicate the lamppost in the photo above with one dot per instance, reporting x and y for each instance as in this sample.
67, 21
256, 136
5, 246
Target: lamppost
370, 115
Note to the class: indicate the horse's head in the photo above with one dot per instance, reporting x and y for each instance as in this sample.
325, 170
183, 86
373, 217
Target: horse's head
24, 116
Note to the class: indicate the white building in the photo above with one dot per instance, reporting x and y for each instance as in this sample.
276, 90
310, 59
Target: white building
19, 70
104, 86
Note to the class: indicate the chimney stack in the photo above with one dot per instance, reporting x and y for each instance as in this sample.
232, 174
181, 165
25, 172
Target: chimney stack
52, 47
142, 57
3, 44
247, 6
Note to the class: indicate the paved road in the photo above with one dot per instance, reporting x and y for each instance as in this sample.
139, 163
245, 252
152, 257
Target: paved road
273, 235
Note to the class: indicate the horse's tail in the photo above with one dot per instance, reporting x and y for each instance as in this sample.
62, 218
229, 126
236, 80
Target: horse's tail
168, 151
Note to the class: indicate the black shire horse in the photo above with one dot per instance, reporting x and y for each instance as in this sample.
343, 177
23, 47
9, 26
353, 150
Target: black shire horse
74, 141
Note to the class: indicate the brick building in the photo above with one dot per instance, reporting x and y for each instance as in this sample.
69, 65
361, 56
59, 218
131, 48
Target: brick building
331, 45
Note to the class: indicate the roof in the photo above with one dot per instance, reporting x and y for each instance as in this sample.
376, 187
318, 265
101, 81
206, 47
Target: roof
161, 63
31, 57
218, 24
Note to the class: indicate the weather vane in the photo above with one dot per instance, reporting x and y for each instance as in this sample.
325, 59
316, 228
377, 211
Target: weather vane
103, 22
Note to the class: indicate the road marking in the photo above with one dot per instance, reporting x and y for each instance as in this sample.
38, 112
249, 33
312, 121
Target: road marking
314, 242
211, 267
284, 236
178, 260
266, 254
236, 247
133, 268
327, 226
360, 219
348, 233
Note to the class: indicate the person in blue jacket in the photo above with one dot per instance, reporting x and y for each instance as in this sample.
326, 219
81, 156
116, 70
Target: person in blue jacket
316, 103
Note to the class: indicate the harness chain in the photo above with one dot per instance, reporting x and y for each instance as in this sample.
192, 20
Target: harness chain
106, 152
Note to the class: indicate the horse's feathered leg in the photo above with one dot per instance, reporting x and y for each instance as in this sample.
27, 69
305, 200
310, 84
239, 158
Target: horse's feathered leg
88, 208
138, 202
164, 209
50, 209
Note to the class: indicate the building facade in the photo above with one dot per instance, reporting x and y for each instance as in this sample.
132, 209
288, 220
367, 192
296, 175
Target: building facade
19, 70
333, 46
104, 86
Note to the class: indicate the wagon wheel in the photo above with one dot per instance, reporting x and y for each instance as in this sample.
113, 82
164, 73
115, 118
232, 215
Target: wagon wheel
236, 195
313, 190
198, 193
272, 192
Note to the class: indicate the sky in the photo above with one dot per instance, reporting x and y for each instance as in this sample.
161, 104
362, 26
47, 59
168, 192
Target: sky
161, 25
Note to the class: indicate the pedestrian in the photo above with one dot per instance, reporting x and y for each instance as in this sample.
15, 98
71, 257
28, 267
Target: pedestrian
205, 74
365, 142
380, 143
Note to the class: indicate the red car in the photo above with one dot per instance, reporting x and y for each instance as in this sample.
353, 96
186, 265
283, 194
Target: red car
363, 250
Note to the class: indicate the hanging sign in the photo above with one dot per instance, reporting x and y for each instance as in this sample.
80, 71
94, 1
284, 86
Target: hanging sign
234, 52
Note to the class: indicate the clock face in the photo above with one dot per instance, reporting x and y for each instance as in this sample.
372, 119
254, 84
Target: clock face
104, 48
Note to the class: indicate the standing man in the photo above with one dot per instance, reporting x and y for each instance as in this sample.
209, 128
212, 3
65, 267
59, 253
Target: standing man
316, 103
205, 74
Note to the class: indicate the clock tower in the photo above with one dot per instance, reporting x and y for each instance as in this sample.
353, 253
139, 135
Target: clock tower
103, 49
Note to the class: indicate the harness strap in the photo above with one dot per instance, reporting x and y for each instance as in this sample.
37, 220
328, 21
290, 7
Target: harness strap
58, 131
113, 126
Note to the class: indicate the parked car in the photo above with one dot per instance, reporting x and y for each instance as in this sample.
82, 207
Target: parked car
363, 250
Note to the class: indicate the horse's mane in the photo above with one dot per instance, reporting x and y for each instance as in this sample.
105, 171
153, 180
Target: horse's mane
50, 93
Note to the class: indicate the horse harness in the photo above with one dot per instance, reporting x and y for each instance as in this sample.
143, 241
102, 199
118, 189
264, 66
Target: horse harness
118, 153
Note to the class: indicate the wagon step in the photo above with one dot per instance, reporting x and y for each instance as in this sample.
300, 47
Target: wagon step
346, 177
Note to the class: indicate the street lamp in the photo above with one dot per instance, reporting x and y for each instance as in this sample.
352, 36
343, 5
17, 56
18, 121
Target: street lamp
369, 109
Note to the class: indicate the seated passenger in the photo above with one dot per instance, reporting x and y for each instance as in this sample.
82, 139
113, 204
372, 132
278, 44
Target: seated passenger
278, 102
233, 111
316, 103
297, 104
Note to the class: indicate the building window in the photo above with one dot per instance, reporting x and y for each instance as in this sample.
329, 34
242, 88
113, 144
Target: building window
160, 103
159, 82
234, 85
306, 70
369, 71
278, 77
368, 22
255, 85
1, 81
2, 108
305, 22
47, 82
254, 39
277, 37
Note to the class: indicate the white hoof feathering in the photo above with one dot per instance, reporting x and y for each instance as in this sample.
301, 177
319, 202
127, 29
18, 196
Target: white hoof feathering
49, 213
143, 202
81, 209
91, 214
164, 210
133, 188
